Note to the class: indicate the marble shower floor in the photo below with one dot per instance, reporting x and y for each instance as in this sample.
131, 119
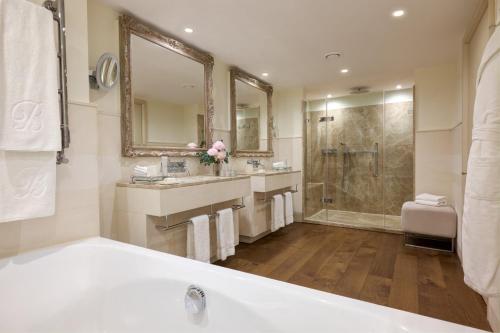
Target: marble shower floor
377, 221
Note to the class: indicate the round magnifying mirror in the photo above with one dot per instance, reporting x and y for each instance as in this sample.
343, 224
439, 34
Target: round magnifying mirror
107, 71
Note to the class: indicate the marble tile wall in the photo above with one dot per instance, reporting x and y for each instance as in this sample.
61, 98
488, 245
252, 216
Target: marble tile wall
351, 172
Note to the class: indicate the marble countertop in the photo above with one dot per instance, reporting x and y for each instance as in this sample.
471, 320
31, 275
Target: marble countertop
170, 183
269, 173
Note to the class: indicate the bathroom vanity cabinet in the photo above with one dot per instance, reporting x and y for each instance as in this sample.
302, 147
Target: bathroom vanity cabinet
147, 214
255, 218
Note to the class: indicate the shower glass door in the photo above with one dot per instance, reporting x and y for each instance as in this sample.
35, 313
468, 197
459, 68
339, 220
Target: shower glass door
356, 174
316, 164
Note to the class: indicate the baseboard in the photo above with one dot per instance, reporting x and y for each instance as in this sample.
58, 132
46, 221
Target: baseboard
249, 240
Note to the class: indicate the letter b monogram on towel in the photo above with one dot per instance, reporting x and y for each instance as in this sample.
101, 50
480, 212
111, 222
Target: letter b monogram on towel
30, 182
27, 116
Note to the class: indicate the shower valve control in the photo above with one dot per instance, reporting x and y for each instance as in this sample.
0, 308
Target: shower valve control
327, 200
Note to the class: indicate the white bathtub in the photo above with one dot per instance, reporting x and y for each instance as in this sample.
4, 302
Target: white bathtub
98, 285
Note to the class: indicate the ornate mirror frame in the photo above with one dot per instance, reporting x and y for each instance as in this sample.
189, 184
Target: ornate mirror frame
131, 26
240, 75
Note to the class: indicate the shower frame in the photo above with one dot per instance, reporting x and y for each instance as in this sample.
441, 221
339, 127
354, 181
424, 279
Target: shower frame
308, 219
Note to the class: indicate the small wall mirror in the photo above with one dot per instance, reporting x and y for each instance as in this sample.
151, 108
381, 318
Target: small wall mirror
107, 71
166, 93
106, 74
251, 118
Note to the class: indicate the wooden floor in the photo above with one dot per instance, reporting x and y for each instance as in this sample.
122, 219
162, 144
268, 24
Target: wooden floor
366, 265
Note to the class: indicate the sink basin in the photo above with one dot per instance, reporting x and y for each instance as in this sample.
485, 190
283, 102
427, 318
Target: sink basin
186, 180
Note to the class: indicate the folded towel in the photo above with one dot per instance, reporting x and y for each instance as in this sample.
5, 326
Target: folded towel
225, 233
147, 171
430, 203
28, 185
277, 213
29, 102
431, 197
288, 208
198, 239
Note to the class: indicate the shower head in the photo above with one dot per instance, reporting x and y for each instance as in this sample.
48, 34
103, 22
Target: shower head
359, 90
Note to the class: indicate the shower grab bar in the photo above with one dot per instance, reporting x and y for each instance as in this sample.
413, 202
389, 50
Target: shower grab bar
57, 9
375, 160
210, 217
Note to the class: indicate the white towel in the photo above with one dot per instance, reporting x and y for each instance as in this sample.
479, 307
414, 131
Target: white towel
481, 216
225, 233
277, 213
27, 185
29, 102
198, 239
430, 203
431, 197
288, 208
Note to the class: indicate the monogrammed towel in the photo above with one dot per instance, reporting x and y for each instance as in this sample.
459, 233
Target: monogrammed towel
29, 102
27, 185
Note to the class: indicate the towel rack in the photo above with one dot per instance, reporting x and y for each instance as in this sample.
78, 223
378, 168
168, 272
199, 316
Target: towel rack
57, 9
265, 199
211, 216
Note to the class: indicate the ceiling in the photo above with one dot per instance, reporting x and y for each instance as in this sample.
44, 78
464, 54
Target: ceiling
288, 38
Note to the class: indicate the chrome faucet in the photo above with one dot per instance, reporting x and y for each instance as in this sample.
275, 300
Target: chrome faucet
255, 163
177, 167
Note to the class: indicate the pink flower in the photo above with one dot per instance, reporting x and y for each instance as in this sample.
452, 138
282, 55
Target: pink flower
212, 152
219, 145
221, 155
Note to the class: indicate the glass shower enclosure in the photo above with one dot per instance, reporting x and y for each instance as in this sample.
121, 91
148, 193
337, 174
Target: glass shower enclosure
359, 159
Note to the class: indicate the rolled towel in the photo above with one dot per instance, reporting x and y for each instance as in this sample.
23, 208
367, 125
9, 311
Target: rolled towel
430, 203
431, 197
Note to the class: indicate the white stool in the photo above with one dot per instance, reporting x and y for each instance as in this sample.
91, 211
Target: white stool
427, 225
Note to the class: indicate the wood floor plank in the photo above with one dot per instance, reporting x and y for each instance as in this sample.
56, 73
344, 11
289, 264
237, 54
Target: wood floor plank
354, 278
385, 259
467, 304
404, 291
432, 295
370, 266
376, 290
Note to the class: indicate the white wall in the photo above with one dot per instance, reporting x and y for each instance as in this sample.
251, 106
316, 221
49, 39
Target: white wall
437, 115
288, 134
77, 203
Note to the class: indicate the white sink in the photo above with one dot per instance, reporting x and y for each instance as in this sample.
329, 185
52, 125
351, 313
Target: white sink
187, 180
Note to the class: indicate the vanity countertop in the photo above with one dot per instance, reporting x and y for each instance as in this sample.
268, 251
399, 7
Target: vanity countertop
182, 182
269, 173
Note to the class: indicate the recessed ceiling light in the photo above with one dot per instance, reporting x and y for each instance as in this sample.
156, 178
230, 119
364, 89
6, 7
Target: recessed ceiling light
345, 70
188, 30
399, 86
398, 13
329, 96
265, 74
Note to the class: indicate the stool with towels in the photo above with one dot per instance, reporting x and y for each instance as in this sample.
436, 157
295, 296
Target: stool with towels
432, 221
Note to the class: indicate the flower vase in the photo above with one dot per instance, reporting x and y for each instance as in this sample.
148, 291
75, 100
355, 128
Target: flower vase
217, 169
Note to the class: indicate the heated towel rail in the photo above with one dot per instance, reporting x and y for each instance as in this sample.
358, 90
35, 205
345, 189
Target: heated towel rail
210, 217
57, 9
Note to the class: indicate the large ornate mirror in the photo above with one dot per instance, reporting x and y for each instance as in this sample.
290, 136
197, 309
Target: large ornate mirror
251, 115
166, 92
